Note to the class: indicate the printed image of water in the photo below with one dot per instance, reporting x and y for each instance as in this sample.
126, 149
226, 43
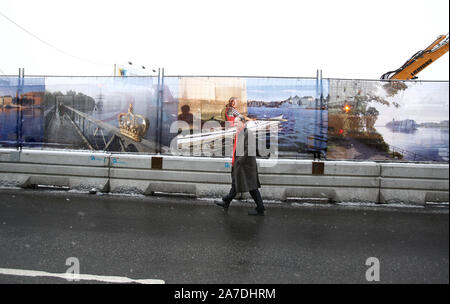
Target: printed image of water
303, 127
423, 144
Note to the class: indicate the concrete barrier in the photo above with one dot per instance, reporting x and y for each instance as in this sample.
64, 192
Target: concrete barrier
76, 170
415, 183
287, 180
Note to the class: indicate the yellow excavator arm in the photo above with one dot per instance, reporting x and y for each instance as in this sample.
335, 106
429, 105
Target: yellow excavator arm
420, 60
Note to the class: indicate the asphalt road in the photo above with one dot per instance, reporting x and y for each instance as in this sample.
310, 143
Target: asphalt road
182, 240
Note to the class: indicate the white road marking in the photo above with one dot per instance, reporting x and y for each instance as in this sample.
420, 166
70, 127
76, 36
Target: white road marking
71, 277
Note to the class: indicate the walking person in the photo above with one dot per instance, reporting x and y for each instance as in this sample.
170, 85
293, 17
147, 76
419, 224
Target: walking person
244, 173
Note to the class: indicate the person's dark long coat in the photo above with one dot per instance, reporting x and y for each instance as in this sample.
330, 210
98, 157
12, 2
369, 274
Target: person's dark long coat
244, 173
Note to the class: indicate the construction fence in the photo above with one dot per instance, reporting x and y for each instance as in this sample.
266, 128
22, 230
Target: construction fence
299, 118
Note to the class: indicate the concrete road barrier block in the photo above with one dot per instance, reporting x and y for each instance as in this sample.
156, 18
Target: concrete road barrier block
284, 166
27, 168
414, 184
131, 161
13, 179
319, 181
171, 187
9, 155
338, 194
310, 192
85, 159
210, 177
419, 171
369, 195
117, 185
221, 165
163, 175
392, 196
436, 197
346, 168
46, 180
408, 196
83, 183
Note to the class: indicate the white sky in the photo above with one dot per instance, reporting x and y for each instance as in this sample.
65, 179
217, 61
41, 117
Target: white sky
345, 39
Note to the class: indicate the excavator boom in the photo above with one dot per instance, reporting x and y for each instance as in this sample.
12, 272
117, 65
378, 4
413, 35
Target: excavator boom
419, 61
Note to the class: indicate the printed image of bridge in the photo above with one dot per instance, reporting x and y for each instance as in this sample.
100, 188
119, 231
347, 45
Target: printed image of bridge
72, 129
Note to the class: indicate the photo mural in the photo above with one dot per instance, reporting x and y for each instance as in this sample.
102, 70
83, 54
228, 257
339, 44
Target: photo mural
22, 111
375, 120
301, 118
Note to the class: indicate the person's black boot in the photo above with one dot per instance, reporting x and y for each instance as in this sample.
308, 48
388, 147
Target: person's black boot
223, 203
260, 210
226, 200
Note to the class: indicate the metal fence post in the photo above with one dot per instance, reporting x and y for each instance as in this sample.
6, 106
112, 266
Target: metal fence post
17, 109
161, 110
157, 111
19, 113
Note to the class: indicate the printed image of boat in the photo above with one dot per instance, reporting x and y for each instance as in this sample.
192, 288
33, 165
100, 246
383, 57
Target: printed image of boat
202, 138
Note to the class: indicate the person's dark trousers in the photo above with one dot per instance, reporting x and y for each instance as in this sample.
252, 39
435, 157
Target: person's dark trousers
256, 195
230, 196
